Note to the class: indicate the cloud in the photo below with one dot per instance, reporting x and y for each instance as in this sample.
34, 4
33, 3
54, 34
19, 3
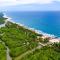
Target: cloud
16, 2
34, 1
56, 0
7, 2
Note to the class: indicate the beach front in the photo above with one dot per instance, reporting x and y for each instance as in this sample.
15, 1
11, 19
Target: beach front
20, 40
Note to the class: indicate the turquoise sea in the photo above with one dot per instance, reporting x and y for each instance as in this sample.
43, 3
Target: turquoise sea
46, 21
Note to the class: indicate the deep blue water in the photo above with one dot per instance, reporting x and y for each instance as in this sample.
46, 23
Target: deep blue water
48, 22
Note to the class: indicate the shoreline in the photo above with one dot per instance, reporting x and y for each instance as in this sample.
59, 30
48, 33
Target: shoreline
32, 29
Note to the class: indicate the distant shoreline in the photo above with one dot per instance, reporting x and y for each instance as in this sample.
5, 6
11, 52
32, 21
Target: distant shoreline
37, 31
44, 35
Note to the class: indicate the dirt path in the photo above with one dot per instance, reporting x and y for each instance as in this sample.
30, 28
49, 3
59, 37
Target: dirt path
7, 51
30, 51
8, 55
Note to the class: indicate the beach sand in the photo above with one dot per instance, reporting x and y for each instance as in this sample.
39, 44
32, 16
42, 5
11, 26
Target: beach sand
44, 35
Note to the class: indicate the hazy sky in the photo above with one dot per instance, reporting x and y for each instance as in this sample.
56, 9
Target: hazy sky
17, 2
22, 4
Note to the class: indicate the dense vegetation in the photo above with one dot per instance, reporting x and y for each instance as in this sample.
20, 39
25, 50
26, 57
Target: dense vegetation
18, 39
2, 47
2, 52
46, 40
1, 15
2, 19
45, 53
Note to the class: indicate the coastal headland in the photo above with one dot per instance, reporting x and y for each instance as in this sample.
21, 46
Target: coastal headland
24, 43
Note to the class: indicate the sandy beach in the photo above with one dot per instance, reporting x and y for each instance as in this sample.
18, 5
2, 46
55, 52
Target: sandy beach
53, 37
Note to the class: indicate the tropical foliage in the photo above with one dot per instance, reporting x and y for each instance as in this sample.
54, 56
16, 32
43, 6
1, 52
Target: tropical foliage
2, 52
2, 19
45, 53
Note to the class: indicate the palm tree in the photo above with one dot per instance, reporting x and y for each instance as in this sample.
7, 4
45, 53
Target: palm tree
56, 47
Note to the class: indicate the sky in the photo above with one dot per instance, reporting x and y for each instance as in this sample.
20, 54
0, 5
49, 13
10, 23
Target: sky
24, 3
19, 2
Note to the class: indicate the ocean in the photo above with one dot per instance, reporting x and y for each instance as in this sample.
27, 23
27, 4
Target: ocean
46, 21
